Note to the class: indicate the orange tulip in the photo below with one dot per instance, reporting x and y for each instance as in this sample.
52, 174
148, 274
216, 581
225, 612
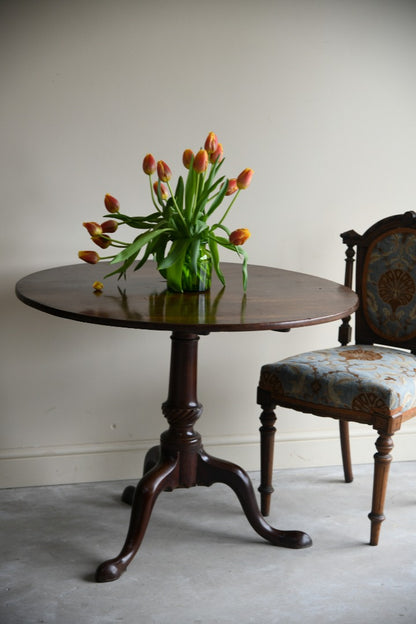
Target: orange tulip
201, 161
149, 164
111, 203
163, 190
102, 241
163, 171
91, 257
187, 158
109, 226
94, 229
211, 143
232, 187
218, 155
244, 179
239, 237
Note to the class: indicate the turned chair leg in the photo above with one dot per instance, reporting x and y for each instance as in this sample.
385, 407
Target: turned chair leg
382, 461
267, 434
344, 435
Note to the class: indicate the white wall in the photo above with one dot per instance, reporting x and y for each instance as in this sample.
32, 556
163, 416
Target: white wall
317, 96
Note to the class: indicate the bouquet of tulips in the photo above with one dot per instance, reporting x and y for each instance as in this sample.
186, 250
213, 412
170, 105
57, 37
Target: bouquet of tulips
178, 227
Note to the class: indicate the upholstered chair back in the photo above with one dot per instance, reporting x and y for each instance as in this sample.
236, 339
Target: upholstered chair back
386, 283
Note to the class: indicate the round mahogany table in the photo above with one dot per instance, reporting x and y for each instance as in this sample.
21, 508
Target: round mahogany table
275, 300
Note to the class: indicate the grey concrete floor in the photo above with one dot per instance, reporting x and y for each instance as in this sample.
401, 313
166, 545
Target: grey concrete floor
201, 562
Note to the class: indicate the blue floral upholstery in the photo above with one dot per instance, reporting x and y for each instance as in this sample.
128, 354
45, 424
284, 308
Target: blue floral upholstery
349, 381
389, 285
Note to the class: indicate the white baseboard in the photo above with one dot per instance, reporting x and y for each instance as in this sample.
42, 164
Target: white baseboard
124, 460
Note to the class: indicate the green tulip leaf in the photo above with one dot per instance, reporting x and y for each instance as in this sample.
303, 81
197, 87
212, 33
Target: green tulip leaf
179, 193
200, 226
213, 247
208, 191
218, 199
137, 245
176, 254
195, 248
175, 269
190, 191
122, 270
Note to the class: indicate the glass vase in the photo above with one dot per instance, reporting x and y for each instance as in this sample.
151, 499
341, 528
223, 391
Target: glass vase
192, 280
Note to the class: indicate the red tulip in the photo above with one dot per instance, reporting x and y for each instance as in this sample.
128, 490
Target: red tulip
111, 203
187, 158
239, 237
201, 161
163, 190
102, 241
211, 143
109, 227
94, 229
163, 171
149, 164
218, 155
232, 186
244, 179
91, 257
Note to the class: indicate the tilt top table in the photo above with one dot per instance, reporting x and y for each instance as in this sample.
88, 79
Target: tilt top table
275, 300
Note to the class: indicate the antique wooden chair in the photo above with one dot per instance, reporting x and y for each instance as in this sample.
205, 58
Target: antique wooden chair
372, 381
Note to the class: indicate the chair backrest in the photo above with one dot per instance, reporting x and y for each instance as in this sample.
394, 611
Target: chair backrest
385, 281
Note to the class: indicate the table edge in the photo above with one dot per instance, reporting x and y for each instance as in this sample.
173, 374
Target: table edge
200, 329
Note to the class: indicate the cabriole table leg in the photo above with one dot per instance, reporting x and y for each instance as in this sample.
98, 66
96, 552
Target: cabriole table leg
214, 470
147, 491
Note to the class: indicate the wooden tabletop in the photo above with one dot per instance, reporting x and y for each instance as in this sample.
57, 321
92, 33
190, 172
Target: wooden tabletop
276, 299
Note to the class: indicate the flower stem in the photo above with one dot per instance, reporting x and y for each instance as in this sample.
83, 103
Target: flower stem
195, 199
116, 243
229, 207
178, 210
153, 195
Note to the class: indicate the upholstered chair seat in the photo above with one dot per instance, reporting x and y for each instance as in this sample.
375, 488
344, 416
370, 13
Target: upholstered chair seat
372, 381
359, 381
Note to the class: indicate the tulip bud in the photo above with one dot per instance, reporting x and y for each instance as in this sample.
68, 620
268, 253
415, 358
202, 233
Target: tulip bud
232, 187
163, 171
201, 161
111, 203
211, 143
91, 257
102, 241
98, 286
239, 237
163, 190
149, 164
244, 178
109, 227
187, 158
218, 155
94, 229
